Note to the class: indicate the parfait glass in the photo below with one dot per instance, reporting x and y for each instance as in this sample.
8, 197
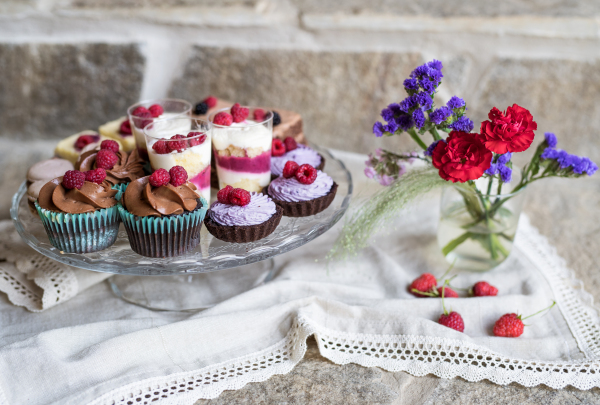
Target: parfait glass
478, 221
181, 141
242, 151
172, 107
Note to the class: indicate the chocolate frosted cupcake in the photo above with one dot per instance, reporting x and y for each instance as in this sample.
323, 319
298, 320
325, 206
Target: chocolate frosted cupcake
240, 216
79, 216
302, 190
300, 154
163, 214
121, 167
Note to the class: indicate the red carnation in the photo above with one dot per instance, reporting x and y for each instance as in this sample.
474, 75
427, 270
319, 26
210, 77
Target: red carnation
511, 131
461, 157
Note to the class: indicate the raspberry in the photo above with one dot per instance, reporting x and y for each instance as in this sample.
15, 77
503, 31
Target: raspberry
483, 289
156, 110
239, 196
306, 174
95, 176
426, 283
85, 140
210, 101
239, 113
161, 147
106, 159
259, 115
110, 145
160, 177
223, 119
125, 128
290, 143
290, 169
223, 195
276, 118
448, 292
452, 320
509, 325
73, 179
178, 176
196, 141
277, 147
201, 108
140, 113
175, 144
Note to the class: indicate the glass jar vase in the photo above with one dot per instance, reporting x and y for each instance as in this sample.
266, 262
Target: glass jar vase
478, 221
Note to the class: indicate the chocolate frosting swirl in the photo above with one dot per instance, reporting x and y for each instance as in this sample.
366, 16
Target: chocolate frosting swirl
91, 197
128, 168
143, 200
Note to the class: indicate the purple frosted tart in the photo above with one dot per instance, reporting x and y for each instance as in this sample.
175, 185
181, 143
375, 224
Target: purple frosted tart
302, 200
242, 224
301, 155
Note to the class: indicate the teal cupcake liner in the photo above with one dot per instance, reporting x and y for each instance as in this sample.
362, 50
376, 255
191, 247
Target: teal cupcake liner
121, 190
164, 236
81, 233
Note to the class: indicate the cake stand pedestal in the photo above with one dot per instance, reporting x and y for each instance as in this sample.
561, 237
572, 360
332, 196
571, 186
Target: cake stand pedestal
198, 279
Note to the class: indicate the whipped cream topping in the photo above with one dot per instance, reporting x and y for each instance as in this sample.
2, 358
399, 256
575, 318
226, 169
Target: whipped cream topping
291, 190
259, 210
244, 135
301, 155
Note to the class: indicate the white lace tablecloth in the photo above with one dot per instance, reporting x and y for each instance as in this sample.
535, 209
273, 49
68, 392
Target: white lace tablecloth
96, 349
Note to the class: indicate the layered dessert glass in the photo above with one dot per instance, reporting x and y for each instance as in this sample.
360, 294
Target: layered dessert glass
172, 107
181, 141
242, 151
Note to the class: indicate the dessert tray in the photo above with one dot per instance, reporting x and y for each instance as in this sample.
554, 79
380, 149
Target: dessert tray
211, 255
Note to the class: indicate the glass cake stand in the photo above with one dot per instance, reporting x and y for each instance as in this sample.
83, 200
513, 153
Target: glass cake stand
199, 279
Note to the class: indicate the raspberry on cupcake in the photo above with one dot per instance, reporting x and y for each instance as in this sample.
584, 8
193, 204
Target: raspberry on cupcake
302, 190
288, 149
239, 216
163, 214
79, 211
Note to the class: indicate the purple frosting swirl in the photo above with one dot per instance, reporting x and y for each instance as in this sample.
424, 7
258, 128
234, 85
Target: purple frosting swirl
259, 210
292, 190
301, 155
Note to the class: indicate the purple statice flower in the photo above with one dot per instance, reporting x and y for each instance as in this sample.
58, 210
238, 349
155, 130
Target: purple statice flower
431, 147
424, 100
550, 139
420, 71
440, 115
427, 85
463, 124
591, 167
385, 180
505, 173
419, 118
405, 122
435, 76
550, 153
565, 160
387, 114
391, 127
408, 104
455, 103
411, 84
435, 64
378, 129
492, 170
370, 172
504, 159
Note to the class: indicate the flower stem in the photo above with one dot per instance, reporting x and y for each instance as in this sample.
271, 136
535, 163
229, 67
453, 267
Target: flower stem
413, 134
454, 243
545, 309
435, 133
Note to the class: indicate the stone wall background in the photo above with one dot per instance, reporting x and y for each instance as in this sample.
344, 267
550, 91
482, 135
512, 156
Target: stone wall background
69, 65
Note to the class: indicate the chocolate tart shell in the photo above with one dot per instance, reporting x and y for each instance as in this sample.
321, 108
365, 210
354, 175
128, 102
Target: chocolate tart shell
305, 208
243, 234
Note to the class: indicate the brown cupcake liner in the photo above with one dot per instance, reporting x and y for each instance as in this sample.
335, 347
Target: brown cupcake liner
243, 234
305, 208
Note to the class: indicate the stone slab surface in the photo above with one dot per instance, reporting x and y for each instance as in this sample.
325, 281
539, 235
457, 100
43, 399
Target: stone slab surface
55, 90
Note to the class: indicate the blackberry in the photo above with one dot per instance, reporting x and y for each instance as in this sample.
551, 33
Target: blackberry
276, 118
201, 108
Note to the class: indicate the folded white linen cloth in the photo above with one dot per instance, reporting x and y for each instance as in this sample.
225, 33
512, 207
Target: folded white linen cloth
97, 349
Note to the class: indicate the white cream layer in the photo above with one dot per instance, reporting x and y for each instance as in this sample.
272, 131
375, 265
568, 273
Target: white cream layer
242, 136
166, 130
193, 160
